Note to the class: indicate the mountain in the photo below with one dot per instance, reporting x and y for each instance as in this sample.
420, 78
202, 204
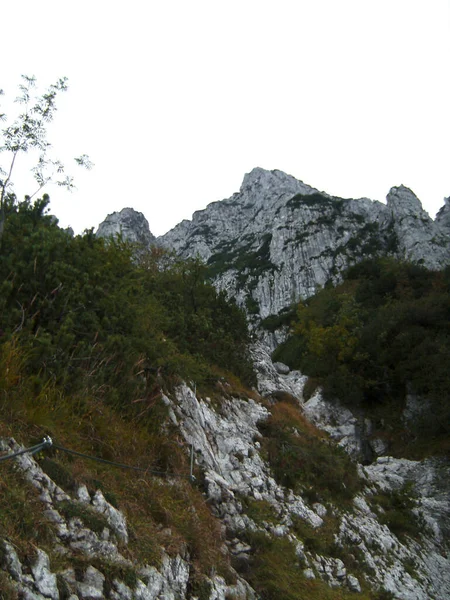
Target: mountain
150, 448
276, 511
129, 224
277, 240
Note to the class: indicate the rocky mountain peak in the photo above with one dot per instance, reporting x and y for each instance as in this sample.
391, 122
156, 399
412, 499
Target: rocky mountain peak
129, 223
420, 239
443, 216
278, 239
403, 202
263, 182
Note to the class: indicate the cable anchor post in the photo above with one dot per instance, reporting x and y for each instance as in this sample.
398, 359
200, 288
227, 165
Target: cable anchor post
191, 474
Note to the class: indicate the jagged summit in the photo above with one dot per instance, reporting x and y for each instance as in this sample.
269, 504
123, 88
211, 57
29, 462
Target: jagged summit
402, 200
262, 192
278, 239
262, 180
443, 216
129, 223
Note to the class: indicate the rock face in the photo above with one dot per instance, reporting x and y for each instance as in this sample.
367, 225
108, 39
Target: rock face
420, 239
366, 552
36, 579
128, 223
278, 239
443, 216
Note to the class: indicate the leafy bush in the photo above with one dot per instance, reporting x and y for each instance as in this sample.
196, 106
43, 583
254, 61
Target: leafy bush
275, 572
283, 318
85, 311
90, 518
303, 459
383, 332
91, 333
397, 512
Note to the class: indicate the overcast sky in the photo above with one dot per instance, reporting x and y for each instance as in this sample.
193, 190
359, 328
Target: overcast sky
175, 101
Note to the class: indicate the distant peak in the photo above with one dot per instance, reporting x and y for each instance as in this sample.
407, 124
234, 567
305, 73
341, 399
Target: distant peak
265, 179
401, 189
256, 175
129, 223
443, 216
402, 199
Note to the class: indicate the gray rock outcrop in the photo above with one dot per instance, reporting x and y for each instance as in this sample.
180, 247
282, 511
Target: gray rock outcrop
443, 216
37, 579
227, 446
278, 239
420, 239
129, 224
229, 451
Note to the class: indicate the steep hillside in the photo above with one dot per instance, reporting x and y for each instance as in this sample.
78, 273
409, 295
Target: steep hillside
380, 343
161, 454
276, 510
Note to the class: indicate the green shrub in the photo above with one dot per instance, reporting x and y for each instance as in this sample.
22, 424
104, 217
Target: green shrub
303, 459
89, 312
90, 518
275, 572
369, 341
397, 512
260, 511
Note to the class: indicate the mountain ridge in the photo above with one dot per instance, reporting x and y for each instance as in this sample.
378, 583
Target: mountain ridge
278, 239
135, 360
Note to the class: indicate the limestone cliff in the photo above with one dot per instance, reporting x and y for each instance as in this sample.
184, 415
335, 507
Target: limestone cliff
128, 223
354, 545
278, 239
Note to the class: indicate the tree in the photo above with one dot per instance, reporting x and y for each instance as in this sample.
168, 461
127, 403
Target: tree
28, 132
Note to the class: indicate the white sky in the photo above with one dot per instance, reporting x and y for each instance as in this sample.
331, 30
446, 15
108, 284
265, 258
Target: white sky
175, 100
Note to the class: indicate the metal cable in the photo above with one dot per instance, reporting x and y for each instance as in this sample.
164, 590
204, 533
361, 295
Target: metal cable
47, 442
116, 464
44, 444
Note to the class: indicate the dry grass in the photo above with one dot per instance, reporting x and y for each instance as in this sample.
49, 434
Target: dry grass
276, 573
288, 414
22, 522
304, 459
166, 510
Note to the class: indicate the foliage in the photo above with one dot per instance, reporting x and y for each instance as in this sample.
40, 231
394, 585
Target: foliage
161, 511
261, 511
85, 313
275, 572
21, 520
250, 260
282, 319
91, 333
28, 133
383, 332
302, 459
397, 512
319, 540
316, 200
91, 519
